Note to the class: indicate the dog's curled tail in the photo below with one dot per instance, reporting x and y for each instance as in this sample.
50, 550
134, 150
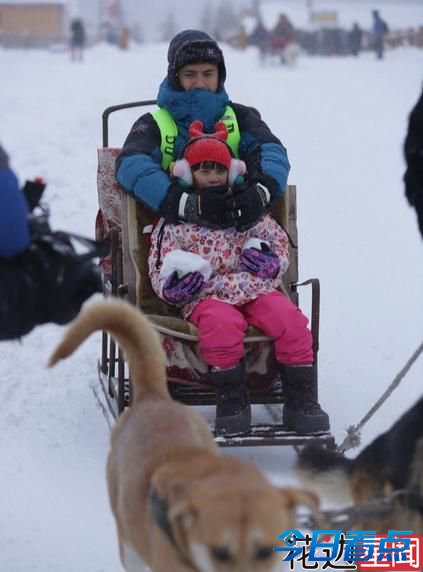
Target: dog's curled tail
134, 334
325, 471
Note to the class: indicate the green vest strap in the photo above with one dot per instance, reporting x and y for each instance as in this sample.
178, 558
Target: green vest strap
231, 122
169, 132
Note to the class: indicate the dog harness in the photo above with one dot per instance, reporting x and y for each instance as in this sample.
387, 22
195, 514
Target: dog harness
159, 509
169, 132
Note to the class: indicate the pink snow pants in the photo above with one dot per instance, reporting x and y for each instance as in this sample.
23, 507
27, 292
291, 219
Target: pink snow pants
222, 327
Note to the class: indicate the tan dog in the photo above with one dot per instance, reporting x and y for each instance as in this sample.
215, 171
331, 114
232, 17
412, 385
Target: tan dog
179, 504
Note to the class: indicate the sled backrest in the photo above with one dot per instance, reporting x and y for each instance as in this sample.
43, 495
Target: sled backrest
109, 200
109, 193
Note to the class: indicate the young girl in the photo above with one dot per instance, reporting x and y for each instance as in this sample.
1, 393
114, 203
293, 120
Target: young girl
224, 280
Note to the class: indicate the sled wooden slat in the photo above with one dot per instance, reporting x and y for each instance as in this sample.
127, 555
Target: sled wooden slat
271, 435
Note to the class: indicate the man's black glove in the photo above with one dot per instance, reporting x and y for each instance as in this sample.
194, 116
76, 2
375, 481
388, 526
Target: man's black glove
205, 207
250, 201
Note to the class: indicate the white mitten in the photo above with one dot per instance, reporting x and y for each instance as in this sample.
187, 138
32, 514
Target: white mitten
183, 263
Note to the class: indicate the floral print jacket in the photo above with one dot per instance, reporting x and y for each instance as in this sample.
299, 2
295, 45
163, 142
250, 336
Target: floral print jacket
221, 248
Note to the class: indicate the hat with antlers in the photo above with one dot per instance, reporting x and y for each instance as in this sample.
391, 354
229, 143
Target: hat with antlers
207, 147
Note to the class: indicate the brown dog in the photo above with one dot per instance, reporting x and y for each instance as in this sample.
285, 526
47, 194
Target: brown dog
389, 467
179, 504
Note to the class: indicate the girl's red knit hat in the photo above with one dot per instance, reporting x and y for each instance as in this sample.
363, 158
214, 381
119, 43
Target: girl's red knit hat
207, 146
204, 147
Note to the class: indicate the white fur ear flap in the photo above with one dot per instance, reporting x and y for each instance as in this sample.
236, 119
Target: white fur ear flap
182, 170
237, 168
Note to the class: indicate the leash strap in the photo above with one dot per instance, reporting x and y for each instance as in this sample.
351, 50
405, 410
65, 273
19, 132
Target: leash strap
353, 438
159, 509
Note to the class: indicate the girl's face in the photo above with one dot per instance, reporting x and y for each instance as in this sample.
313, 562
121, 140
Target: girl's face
210, 175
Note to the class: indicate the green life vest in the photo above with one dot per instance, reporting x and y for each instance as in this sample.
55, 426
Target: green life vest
169, 132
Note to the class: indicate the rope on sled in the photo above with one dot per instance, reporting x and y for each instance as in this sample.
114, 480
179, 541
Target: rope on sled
353, 438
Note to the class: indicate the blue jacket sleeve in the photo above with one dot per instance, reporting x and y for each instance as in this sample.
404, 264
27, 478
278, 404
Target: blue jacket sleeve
141, 176
14, 230
260, 148
138, 167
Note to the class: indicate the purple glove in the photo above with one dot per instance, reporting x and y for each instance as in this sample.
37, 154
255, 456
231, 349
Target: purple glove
264, 264
180, 290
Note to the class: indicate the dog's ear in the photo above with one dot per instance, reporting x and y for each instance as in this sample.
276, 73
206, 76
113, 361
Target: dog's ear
180, 505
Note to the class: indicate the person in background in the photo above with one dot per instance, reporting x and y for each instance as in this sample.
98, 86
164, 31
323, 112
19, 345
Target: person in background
380, 29
42, 279
77, 40
260, 37
194, 90
284, 30
282, 38
413, 151
224, 280
355, 37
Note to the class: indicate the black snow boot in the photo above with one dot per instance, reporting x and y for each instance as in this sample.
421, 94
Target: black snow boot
302, 412
233, 412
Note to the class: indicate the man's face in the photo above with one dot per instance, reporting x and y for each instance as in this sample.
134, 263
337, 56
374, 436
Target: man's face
199, 76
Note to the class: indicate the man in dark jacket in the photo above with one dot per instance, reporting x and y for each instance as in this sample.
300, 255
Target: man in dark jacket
355, 37
380, 29
413, 150
42, 279
194, 90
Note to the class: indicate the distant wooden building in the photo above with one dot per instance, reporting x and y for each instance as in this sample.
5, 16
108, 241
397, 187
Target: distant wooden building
32, 23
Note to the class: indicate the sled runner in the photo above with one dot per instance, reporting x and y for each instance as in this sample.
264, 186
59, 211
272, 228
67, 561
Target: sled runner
127, 225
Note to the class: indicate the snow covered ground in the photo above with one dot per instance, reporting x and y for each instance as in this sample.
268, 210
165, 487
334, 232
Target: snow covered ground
343, 122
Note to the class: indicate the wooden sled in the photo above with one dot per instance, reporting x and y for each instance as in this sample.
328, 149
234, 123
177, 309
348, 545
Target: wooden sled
127, 224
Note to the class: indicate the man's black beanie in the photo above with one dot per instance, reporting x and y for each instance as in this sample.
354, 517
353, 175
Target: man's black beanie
193, 47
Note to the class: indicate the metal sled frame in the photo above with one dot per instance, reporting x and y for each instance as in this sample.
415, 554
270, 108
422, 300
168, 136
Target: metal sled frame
113, 371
